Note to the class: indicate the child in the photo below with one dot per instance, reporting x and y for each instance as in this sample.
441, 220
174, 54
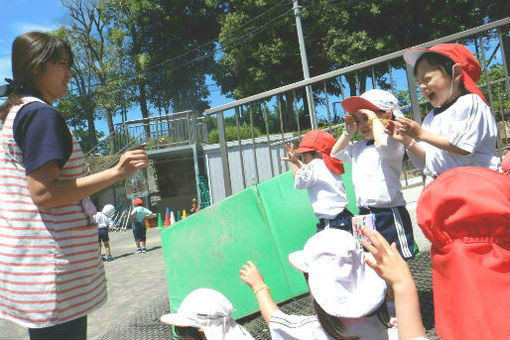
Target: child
461, 129
206, 314
104, 221
139, 214
465, 213
321, 177
376, 166
347, 294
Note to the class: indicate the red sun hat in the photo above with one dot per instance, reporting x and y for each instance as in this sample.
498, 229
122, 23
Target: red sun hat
137, 201
465, 213
322, 141
471, 69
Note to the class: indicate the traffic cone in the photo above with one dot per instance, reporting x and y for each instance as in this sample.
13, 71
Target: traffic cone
178, 215
160, 221
172, 218
184, 215
167, 219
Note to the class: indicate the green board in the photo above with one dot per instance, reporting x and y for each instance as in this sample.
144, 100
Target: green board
263, 223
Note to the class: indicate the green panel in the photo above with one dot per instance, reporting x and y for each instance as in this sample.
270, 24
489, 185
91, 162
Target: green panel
263, 223
349, 188
292, 222
208, 248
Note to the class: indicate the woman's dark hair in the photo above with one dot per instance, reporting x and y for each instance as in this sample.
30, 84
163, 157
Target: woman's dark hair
31, 51
335, 327
436, 59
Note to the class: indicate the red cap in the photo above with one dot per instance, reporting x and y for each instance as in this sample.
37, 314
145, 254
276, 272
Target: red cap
471, 69
505, 164
137, 201
322, 141
465, 213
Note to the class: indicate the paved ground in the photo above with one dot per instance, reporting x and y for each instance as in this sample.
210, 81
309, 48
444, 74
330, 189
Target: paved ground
137, 292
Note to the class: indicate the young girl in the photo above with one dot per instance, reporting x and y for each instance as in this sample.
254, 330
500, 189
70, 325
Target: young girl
461, 129
50, 269
348, 295
104, 222
320, 175
138, 215
377, 165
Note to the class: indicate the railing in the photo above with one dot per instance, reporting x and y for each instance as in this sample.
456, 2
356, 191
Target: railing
284, 109
158, 132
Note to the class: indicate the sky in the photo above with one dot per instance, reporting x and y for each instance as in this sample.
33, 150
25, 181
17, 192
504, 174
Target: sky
21, 16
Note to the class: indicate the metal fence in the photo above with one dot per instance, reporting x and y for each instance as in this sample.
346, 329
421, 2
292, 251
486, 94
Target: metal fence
158, 132
284, 110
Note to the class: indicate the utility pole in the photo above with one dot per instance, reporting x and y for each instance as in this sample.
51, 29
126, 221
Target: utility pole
304, 63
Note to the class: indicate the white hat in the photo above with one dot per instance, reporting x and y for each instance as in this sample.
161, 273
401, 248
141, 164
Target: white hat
339, 279
108, 210
374, 100
210, 310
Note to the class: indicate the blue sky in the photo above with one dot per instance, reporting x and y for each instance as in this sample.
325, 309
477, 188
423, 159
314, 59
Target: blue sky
21, 16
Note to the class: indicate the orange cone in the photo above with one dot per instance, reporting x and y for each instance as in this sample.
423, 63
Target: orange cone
167, 219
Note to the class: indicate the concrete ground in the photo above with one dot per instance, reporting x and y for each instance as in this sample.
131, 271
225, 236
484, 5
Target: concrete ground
137, 283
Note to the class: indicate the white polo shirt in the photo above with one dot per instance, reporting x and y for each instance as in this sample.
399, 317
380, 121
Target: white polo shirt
284, 326
469, 124
375, 172
325, 189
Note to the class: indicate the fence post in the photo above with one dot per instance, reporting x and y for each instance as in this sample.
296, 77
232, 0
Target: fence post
415, 105
224, 155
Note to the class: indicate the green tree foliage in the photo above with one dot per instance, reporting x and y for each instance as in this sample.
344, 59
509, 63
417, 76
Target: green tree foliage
231, 133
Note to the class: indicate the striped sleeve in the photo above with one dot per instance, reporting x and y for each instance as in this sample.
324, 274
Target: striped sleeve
471, 127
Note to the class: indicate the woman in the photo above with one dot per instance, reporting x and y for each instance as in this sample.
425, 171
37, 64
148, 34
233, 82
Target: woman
51, 274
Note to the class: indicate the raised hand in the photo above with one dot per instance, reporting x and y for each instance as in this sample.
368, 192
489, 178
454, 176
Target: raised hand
350, 124
130, 162
291, 155
250, 274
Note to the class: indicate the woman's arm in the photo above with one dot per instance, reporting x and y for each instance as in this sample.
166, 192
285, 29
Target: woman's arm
394, 270
48, 190
250, 274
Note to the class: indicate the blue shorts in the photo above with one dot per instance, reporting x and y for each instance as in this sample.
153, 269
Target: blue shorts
396, 226
342, 221
139, 231
102, 234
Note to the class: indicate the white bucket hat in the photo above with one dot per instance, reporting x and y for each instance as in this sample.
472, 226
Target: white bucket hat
211, 311
108, 210
338, 277
374, 100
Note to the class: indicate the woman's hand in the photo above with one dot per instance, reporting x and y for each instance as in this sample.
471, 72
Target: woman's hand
130, 162
250, 274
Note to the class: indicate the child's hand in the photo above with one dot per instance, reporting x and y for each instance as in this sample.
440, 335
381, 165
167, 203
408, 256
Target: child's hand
250, 274
393, 129
130, 162
350, 124
410, 128
291, 155
390, 265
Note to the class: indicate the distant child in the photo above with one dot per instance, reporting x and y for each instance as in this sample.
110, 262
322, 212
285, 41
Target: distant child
104, 221
461, 129
348, 295
206, 314
320, 175
377, 165
465, 214
138, 215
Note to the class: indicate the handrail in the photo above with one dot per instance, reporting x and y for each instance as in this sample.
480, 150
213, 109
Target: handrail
354, 67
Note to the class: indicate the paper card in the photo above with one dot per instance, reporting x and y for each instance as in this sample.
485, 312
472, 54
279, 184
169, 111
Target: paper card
360, 223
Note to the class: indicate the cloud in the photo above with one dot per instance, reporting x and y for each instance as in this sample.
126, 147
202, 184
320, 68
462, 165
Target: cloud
23, 27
